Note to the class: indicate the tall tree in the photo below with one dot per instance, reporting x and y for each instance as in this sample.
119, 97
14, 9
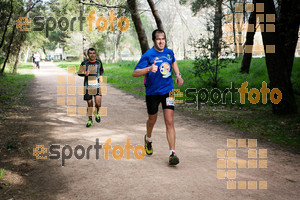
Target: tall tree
249, 41
217, 30
138, 25
19, 51
232, 9
280, 62
132, 6
20, 44
9, 49
156, 15
16, 39
217, 5
7, 23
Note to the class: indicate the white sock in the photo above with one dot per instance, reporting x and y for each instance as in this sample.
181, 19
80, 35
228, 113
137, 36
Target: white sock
148, 139
171, 151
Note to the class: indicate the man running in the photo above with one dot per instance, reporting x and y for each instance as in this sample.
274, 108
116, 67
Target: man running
37, 59
92, 70
156, 65
33, 61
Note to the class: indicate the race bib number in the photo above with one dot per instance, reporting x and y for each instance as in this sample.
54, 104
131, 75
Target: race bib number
170, 101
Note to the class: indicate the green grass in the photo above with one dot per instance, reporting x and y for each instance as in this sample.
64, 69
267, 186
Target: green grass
230, 74
13, 85
120, 75
257, 120
1, 173
23, 68
12, 88
259, 124
65, 64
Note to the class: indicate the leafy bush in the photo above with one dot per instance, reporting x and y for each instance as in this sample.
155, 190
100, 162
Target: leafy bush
206, 67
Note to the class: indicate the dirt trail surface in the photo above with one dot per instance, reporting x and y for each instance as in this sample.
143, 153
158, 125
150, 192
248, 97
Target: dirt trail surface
195, 177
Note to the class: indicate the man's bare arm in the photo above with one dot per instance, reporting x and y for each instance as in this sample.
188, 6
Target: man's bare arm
178, 80
143, 72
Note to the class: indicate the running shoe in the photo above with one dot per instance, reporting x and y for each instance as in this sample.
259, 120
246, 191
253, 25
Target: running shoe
90, 123
97, 118
173, 159
148, 147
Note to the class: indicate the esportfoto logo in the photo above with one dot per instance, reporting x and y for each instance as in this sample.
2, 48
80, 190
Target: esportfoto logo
63, 23
217, 96
66, 153
238, 156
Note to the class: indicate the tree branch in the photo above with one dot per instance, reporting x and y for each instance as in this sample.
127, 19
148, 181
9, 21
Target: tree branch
6, 25
8, 52
31, 7
94, 3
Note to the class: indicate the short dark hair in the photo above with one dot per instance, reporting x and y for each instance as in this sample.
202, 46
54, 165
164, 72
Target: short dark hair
157, 31
90, 49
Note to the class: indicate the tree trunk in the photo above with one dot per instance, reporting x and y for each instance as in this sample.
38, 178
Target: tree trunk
232, 8
118, 52
249, 41
138, 25
9, 48
184, 51
26, 55
116, 43
217, 30
44, 50
84, 55
280, 63
6, 25
18, 57
289, 26
106, 48
155, 15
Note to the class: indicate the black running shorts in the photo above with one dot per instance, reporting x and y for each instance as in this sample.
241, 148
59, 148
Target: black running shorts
153, 102
90, 96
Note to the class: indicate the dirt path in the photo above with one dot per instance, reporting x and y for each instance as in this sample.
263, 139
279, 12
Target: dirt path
150, 178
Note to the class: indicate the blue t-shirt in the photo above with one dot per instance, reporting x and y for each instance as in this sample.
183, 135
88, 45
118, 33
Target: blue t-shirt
161, 82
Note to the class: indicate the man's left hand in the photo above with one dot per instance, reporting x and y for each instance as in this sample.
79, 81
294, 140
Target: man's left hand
179, 80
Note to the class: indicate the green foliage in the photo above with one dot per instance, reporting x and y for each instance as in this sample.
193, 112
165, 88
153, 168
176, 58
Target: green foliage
206, 68
12, 86
199, 4
98, 44
295, 76
2, 57
182, 2
18, 10
120, 75
1, 173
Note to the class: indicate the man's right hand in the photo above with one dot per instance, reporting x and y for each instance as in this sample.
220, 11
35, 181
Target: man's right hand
87, 73
153, 67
